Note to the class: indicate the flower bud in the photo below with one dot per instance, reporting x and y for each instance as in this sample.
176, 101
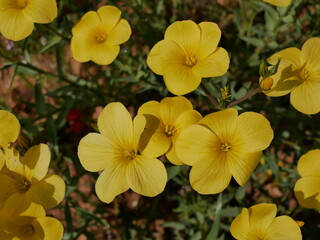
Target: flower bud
266, 84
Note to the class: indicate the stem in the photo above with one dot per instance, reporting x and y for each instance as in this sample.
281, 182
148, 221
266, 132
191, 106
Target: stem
212, 99
249, 94
53, 30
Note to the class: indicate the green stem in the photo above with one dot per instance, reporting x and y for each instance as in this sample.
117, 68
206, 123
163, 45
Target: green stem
249, 94
211, 98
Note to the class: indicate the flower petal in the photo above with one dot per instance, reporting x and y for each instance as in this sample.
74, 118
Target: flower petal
79, 47
210, 37
103, 54
18, 203
119, 34
14, 25
172, 107
7, 188
279, 3
306, 98
261, 216
214, 65
180, 79
185, 120
2, 159
173, 157
186, 34
242, 165
211, 175
86, 23
285, 80
283, 227
310, 53
309, 164
115, 122
40, 11
150, 108
96, 152
36, 161
9, 128
163, 55
109, 17
253, 134
153, 141
288, 57
222, 123
196, 144
240, 226
48, 192
47, 228
307, 191
146, 176
139, 124
112, 182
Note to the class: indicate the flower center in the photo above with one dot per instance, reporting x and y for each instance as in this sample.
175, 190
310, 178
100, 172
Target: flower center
27, 230
101, 37
304, 74
169, 130
22, 3
129, 155
225, 147
23, 184
191, 60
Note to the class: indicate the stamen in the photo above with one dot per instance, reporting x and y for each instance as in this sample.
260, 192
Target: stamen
191, 60
101, 37
27, 230
129, 155
169, 130
23, 184
22, 3
225, 147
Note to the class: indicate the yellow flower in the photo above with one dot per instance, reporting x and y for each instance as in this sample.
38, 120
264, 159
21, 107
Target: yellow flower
25, 179
17, 17
260, 222
165, 121
30, 224
9, 132
115, 151
279, 3
188, 53
307, 188
97, 36
223, 145
299, 75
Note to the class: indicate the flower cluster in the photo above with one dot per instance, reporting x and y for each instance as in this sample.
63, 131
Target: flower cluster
26, 188
218, 146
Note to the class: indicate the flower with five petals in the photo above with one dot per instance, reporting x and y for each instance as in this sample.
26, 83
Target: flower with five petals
25, 180
97, 36
260, 222
188, 53
223, 145
17, 17
299, 75
32, 223
165, 121
115, 152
